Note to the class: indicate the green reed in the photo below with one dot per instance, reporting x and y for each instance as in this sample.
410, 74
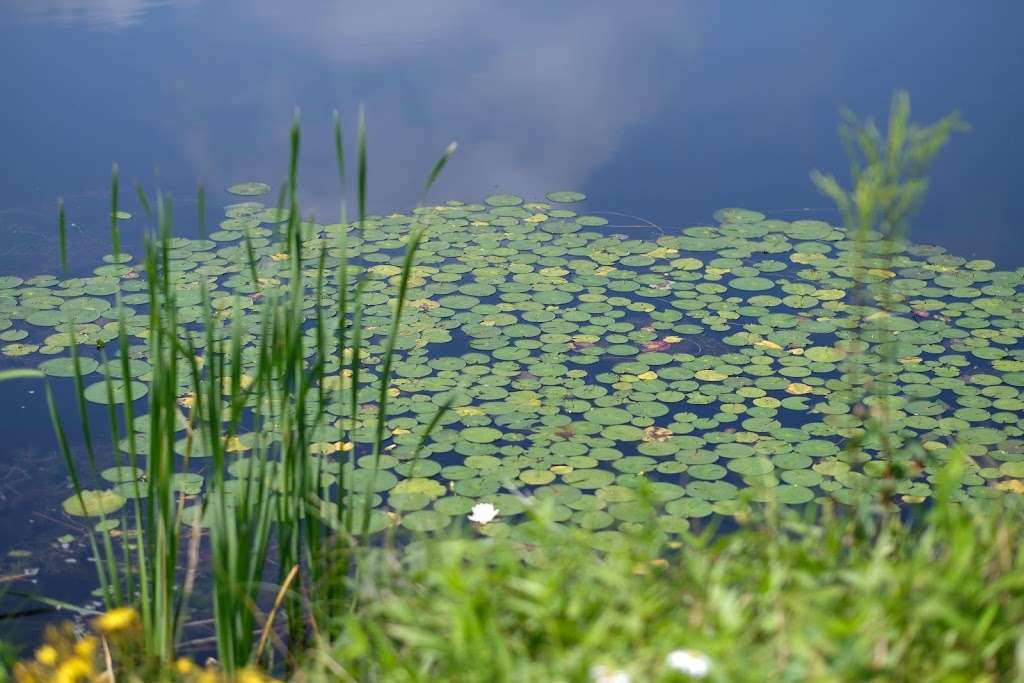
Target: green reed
284, 502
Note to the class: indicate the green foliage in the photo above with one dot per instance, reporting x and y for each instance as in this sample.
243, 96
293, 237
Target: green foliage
785, 597
889, 175
889, 170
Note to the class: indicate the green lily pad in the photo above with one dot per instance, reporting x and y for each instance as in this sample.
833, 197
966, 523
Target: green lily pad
98, 392
250, 189
93, 503
566, 197
122, 474
480, 434
64, 367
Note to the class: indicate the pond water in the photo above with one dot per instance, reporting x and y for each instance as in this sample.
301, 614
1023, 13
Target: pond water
634, 330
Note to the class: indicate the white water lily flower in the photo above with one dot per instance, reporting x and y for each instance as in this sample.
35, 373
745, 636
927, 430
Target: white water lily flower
602, 674
483, 513
690, 662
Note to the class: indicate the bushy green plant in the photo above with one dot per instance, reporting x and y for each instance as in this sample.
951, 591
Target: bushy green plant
784, 597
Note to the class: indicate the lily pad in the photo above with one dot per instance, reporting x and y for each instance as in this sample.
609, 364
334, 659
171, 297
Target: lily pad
249, 189
566, 197
93, 503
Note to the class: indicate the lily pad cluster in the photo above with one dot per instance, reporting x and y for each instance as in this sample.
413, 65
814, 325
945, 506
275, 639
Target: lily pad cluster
601, 369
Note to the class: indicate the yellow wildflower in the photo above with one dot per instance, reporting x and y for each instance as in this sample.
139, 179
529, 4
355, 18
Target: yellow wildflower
184, 666
280, 256
46, 655
86, 647
73, 670
115, 620
250, 675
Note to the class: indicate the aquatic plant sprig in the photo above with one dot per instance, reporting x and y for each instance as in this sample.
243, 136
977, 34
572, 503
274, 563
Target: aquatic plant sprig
889, 176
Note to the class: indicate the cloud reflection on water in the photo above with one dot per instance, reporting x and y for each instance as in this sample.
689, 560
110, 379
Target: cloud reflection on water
96, 13
538, 98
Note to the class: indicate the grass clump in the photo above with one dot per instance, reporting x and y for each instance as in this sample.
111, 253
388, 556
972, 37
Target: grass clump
785, 597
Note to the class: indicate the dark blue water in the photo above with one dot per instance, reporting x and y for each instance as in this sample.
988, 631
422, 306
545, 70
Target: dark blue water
658, 111
661, 110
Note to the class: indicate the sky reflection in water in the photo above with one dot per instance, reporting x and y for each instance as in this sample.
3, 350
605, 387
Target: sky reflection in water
660, 110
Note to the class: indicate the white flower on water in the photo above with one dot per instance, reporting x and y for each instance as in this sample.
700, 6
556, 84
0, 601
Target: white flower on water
690, 662
483, 513
602, 674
